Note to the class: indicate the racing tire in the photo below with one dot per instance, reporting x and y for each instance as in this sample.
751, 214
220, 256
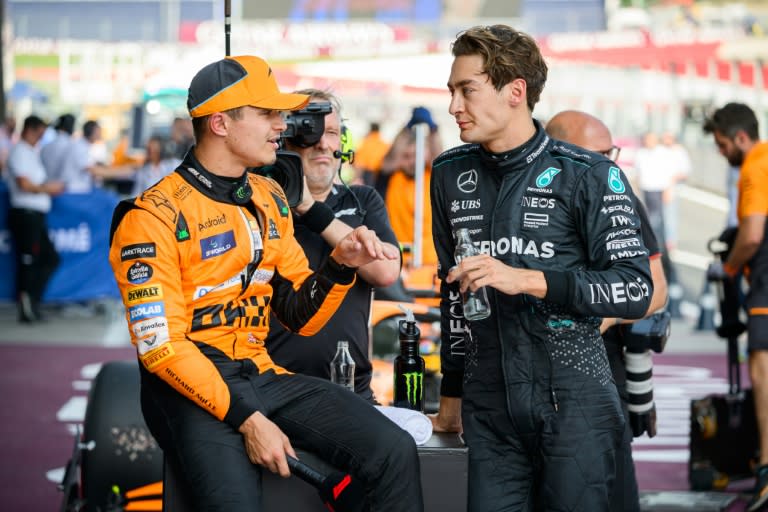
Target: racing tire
124, 455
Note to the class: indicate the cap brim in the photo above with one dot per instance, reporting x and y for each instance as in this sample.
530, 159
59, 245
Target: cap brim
283, 101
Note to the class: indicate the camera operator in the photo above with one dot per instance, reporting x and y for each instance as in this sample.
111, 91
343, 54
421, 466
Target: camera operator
590, 133
328, 211
735, 129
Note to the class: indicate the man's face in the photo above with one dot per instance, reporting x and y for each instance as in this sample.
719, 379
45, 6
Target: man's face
320, 166
729, 148
37, 134
254, 137
481, 112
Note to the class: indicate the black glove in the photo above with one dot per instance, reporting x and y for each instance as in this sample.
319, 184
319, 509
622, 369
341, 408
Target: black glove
643, 422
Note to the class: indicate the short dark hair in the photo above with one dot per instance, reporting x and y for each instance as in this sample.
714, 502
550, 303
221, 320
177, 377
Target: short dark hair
199, 123
89, 127
33, 122
507, 55
65, 123
732, 118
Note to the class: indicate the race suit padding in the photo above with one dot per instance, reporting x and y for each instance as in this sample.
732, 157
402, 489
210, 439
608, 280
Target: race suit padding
199, 275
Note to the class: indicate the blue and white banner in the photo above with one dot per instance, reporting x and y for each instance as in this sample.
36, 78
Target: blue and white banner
78, 225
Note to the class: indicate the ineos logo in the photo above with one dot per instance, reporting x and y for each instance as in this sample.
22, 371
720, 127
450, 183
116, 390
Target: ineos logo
467, 181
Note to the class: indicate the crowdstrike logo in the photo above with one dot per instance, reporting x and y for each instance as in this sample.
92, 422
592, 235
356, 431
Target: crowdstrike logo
467, 181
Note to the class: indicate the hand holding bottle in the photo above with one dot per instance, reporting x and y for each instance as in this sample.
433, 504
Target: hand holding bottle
476, 305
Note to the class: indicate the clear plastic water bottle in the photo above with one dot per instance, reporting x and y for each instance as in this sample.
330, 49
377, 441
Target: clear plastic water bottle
343, 367
476, 304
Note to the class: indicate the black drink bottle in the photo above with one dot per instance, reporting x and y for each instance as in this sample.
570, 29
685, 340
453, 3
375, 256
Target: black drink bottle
409, 367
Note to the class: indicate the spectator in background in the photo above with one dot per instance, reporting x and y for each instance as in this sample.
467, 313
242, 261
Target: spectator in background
182, 137
156, 165
7, 139
55, 152
736, 133
341, 209
398, 180
655, 177
679, 162
370, 154
30, 197
80, 169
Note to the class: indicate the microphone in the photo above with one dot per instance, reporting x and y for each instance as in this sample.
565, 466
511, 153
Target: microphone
346, 156
339, 491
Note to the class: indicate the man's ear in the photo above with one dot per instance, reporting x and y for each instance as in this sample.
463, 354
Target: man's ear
218, 123
516, 91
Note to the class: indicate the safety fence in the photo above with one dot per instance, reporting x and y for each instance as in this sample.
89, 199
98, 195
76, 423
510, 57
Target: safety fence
78, 225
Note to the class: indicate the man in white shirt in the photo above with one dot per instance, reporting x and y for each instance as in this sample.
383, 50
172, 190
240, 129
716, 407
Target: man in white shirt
30, 195
80, 167
54, 153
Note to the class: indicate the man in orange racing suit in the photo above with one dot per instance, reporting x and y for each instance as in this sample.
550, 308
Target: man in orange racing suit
201, 258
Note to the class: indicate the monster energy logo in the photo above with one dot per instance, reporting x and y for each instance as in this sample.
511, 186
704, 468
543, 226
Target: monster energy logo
414, 385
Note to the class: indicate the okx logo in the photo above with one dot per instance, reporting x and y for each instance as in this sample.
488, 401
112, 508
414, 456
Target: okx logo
414, 387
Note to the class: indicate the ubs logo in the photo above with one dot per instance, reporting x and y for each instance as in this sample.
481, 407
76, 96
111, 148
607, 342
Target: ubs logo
467, 181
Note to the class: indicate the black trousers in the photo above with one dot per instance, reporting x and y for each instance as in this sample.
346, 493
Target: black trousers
316, 415
36, 257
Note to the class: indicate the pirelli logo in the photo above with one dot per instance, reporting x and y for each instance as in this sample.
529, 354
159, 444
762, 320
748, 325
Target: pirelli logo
144, 294
155, 357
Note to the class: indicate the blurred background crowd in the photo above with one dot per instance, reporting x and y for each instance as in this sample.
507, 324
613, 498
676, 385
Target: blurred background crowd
109, 79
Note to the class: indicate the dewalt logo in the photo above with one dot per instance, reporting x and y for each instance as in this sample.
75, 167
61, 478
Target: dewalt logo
144, 294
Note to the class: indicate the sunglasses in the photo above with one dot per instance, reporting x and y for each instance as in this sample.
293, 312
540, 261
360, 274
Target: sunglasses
612, 153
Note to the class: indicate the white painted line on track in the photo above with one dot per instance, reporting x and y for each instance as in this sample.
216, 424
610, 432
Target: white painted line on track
703, 197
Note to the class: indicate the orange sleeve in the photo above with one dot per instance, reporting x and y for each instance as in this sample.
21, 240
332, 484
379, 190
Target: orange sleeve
753, 190
145, 260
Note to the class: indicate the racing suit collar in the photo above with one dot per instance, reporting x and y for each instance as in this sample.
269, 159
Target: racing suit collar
209, 184
520, 157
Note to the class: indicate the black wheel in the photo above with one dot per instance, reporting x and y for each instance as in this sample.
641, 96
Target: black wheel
124, 454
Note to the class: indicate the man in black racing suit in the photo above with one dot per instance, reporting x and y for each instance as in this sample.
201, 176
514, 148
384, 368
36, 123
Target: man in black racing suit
539, 410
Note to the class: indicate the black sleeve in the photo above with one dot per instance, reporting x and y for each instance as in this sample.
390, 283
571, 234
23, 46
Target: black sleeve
616, 280
452, 323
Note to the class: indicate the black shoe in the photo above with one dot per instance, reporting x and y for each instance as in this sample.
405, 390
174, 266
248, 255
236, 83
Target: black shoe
760, 495
26, 311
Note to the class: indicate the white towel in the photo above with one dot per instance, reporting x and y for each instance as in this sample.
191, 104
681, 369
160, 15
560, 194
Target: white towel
413, 422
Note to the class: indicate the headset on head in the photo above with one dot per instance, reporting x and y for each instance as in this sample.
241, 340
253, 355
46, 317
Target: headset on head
346, 151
